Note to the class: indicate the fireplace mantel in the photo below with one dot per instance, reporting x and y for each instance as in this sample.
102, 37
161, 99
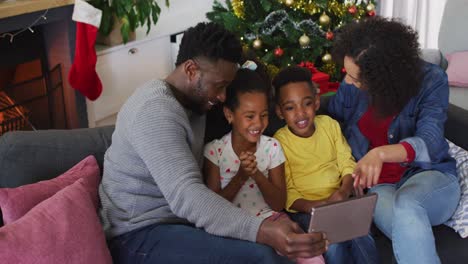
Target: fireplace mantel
11, 8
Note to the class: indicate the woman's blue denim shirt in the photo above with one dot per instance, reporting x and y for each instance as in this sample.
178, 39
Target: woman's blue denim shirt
420, 123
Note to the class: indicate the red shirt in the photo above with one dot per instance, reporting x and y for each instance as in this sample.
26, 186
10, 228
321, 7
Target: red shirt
375, 129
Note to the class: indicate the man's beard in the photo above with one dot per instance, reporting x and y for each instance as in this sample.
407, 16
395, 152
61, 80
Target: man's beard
198, 100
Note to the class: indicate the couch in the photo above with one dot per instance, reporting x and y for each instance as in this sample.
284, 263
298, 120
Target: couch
28, 157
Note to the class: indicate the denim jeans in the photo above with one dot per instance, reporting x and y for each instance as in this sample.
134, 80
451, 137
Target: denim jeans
406, 213
361, 250
186, 244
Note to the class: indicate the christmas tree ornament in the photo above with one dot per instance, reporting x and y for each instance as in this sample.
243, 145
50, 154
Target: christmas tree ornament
324, 20
336, 8
329, 35
82, 75
278, 52
272, 70
352, 10
257, 43
304, 41
371, 13
238, 8
343, 70
327, 58
289, 2
370, 7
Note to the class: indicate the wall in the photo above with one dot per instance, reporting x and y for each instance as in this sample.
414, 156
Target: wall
124, 68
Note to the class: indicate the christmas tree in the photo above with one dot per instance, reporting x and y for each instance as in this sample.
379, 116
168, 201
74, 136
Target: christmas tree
289, 32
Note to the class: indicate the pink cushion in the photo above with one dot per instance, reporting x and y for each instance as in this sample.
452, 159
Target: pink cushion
457, 70
64, 228
16, 202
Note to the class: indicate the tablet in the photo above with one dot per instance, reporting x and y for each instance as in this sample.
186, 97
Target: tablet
344, 220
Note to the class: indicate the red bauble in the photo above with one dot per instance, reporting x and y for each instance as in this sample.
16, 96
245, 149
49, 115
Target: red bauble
371, 13
343, 70
329, 35
352, 10
279, 52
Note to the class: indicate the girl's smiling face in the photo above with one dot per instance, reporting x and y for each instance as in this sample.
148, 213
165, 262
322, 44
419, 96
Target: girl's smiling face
250, 118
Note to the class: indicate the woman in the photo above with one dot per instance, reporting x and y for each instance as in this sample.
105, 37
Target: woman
393, 107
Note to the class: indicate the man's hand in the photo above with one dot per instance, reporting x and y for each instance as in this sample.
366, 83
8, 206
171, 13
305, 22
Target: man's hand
290, 240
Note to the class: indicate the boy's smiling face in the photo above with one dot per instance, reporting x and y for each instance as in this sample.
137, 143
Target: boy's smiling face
297, 105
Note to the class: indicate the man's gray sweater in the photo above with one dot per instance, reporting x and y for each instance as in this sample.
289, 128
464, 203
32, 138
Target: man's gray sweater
152, 171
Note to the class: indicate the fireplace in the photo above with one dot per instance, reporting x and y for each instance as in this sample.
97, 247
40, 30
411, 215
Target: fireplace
31, 94
34, 103
43, 44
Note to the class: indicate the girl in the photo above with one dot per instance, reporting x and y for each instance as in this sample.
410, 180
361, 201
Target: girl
244, 166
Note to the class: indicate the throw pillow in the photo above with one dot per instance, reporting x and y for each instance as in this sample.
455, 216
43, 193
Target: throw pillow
64, 228
459, 220
457, 70
16, 202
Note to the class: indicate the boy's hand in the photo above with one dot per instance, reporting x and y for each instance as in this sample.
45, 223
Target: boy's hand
344, 191
338, 195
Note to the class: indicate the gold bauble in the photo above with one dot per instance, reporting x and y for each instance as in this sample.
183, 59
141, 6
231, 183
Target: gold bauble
370, 7
304, 40
289, 2
327, 58
324, 19
257, 44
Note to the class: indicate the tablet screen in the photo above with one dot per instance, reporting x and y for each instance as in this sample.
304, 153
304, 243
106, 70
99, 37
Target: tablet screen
344, 220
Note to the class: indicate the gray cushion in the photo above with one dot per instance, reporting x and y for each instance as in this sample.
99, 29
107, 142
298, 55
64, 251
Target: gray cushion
31, 156
434, 56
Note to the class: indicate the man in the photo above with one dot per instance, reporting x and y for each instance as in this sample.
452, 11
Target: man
155, 206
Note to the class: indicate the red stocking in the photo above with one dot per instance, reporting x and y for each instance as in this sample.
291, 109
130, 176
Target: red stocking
83, 76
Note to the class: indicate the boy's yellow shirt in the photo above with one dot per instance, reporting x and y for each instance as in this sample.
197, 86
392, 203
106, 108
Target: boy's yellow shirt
314, 165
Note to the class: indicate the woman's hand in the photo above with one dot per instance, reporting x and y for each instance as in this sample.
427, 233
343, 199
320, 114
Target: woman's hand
367, 171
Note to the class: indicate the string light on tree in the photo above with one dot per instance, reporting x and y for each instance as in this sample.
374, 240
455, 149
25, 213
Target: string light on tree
257, 43
304, 41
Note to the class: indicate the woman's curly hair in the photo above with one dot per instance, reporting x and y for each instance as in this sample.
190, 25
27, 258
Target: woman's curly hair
387, 54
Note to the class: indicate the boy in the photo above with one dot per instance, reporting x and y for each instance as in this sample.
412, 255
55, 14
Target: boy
318, 163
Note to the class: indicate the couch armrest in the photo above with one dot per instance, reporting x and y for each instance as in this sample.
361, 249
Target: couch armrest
457, 125
31, 156
434, 56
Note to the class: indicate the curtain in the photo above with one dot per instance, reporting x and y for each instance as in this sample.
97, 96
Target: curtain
422, 15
